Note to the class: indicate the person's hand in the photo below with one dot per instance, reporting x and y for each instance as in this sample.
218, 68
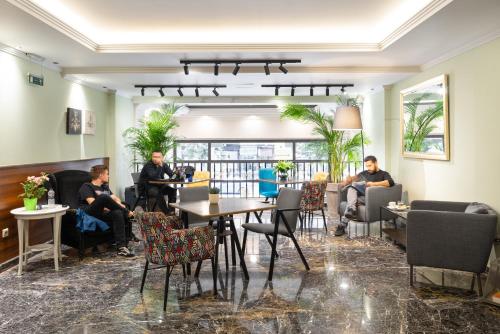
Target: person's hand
130, 214
369, 184
106, 210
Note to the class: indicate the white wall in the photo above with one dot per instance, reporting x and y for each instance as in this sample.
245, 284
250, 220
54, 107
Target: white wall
374, 126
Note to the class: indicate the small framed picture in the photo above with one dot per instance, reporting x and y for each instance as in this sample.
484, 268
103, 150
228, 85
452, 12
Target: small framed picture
89, 125
73, 121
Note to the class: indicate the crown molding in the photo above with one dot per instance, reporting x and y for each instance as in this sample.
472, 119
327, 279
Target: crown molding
25, 56
74, 34
247, 70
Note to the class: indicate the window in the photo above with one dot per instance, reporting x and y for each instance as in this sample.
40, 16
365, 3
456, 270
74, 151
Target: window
192, 151
313, 150
252, 151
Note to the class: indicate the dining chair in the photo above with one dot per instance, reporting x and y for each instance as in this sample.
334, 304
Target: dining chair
167, 244
200, 174
313, 200
320, 176
283, 222
267, 189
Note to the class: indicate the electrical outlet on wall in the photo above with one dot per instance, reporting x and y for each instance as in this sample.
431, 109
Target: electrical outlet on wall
5, 232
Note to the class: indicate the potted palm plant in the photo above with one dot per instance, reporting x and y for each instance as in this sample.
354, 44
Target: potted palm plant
340, 146
282, 168
154, 132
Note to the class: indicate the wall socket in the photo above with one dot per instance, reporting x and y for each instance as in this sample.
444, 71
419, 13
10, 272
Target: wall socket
5, 232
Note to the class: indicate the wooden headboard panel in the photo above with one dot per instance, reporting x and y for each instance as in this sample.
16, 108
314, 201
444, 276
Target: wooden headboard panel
10, 188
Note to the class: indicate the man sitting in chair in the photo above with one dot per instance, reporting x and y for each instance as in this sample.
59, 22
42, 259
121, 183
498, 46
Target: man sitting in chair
153, 170
356, 187
97, 200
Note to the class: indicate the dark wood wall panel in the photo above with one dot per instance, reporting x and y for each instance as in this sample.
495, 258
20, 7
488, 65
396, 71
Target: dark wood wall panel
10, 188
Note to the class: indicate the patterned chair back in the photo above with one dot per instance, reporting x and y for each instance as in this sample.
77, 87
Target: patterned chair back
314, 195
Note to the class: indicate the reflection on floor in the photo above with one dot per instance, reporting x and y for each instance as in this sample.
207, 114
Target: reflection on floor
357, 285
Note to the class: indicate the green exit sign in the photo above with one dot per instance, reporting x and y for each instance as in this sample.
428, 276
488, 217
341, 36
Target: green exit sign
35, 79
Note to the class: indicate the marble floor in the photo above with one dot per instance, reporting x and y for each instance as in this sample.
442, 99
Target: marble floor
355, 285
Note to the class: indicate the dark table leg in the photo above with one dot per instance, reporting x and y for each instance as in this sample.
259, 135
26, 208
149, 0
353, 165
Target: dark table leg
238, 247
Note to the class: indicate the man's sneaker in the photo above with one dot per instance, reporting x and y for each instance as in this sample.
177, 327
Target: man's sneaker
340, 231
351, 214
125, 252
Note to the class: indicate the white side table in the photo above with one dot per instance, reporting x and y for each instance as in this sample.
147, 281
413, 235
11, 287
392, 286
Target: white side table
23, 217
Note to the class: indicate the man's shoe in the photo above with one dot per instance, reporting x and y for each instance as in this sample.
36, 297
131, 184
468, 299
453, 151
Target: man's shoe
340, 231
351, 214
125, 252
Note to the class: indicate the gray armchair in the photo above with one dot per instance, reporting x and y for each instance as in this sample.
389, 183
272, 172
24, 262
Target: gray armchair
375, 198
442, 235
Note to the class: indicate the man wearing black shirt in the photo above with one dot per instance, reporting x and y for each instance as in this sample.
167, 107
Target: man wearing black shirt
98, 200
356, 186
155, 169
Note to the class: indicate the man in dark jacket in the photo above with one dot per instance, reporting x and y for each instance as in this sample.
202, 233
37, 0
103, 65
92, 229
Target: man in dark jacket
155, 169
356, 187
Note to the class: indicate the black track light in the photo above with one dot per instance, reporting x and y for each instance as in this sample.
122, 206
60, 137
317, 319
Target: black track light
162, 94
266, 69
292, 93
236, 69
216, 69
179, 90
216, 93
197, 92
276, 91
327, 91
283, 69
186, 69
142, 91
342, 89
311, 91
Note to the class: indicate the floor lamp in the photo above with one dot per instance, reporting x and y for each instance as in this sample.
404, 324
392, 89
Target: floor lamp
349, 118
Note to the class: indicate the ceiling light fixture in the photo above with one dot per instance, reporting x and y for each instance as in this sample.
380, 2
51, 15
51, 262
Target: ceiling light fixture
311, 91
186, 69
216, 69
276, 91
342, 90
292, 93
142, 91
283, 69
179, 90
311, 87
216, 93
266, 69
327, 91
217, 62
197, 92
236, 69
162, 94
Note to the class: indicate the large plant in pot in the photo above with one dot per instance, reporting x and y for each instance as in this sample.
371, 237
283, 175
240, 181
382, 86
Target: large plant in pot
154, 133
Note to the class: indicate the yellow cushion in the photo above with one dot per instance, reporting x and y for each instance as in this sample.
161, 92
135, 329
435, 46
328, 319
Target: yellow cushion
200, 174
320, 176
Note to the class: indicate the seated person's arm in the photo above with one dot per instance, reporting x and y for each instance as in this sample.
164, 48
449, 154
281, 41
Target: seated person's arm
90, 200
349, 180
384, 183
117, 200
167, 170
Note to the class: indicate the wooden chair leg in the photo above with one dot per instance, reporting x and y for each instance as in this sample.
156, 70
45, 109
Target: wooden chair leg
165, 294
273, 251
184, 271
144, 275
214, 275
198, 267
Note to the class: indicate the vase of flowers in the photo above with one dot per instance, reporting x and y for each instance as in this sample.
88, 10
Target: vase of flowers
282, 168
213, 195
34, 189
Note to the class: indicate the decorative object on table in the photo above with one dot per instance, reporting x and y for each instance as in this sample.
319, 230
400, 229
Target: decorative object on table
492, 287
213, 195
155, 132
89, 125
282, 168
34, 189
339, 147
73, 121
179, 174
189, 172
424, 120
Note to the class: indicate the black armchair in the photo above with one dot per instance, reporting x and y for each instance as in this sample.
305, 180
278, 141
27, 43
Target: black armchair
66, 185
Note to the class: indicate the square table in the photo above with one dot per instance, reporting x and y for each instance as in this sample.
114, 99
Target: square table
226, 208
398, 235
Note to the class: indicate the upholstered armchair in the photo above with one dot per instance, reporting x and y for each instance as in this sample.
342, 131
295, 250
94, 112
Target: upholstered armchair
167, 244
313, 199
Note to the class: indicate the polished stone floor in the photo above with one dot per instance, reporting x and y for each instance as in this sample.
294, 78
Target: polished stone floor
355, 285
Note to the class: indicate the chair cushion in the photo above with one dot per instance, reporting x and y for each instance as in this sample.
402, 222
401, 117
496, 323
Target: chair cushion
270, 194
265, 228
479, 208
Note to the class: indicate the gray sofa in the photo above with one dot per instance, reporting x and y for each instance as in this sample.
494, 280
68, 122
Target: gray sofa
442, 235
375, 198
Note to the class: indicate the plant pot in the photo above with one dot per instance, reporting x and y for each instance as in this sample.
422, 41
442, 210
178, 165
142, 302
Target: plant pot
213, 198
332, 199
283, 177
30, 204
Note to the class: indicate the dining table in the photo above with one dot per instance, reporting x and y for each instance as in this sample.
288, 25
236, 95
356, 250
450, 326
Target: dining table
223, 212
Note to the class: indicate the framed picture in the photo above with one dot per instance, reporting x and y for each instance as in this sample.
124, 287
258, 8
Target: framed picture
89, 125
424, 120
73, 121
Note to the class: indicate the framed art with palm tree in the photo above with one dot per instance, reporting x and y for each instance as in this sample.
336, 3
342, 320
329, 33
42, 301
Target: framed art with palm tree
424, 120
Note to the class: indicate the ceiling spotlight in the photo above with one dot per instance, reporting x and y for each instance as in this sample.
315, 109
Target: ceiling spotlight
276, 91
327, 91
142, 91
216, 69
236, 69
293, 91
311, 91
179, 90
342, 90
162, 94
197, 92
266, 68
216, 93
283, 69
186, 69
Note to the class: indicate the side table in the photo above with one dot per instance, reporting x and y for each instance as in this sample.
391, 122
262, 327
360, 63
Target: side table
23, 218
398, 235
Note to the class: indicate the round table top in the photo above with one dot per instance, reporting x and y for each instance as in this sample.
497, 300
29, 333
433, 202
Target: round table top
44, 211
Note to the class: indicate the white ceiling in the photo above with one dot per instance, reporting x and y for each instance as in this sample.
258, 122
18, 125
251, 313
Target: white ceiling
443, 29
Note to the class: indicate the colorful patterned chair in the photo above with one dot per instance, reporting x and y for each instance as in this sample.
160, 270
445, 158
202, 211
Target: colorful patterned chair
167, 243
313, 200
200, 174
320, 176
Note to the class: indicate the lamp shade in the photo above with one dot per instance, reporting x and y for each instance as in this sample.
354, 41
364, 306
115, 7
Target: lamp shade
347, 118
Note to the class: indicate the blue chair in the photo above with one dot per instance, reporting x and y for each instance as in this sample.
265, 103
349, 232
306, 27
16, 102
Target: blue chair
267, 189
